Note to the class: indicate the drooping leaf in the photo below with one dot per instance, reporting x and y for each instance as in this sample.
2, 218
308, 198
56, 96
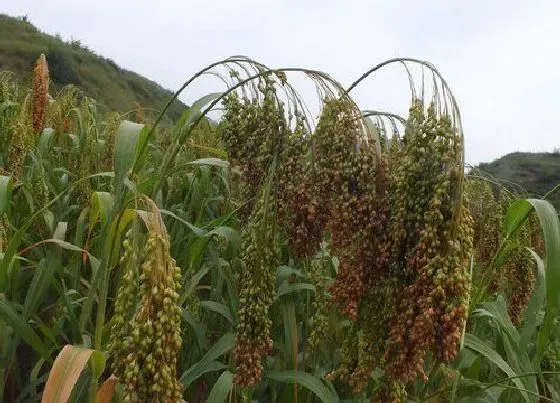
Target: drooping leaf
215, 162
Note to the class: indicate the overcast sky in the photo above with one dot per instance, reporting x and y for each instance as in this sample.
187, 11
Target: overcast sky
500, 58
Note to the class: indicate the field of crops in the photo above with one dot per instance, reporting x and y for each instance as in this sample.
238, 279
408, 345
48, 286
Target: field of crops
266, 254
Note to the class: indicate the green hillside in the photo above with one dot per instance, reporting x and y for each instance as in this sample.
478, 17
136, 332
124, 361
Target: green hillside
71, 63
536, 173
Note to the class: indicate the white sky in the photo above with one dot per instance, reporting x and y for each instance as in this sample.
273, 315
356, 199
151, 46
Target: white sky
501, 58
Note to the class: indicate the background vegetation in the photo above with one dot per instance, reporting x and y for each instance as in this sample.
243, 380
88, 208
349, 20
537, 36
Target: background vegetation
114, 88
534, 173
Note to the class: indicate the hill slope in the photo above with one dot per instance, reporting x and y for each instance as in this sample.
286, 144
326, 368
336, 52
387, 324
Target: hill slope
536, 173
71, 63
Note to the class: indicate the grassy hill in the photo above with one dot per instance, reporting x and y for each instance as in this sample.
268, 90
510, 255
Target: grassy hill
71, 63
536, 173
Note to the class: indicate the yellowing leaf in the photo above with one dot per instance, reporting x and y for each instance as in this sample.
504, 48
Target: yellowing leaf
65, 372
107, 390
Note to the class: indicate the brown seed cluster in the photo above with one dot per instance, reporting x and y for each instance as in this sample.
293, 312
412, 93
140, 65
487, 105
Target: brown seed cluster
358, 231
415, 237
432, 240
300, 209
348, 195
146, 330
520, 272
40, 98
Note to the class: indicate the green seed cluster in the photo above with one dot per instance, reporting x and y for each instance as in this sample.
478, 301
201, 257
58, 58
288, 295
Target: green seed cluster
125, 305
487, 215
59, 115
253, 133
390, 392
259, 262
39, 187
375, 309
153, 335
109, 135
4, 229
349, 355
22, 141
320, 328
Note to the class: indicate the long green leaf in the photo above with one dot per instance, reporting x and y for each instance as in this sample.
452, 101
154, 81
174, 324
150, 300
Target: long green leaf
216, 162
126, 143
5, 193
306, 380
222, 388
548, 217
9, 314
16, 238
474, 343
517, 354
101, 207
550, 225
218, 308
530, 322
207, 362
287, 288
37, 289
